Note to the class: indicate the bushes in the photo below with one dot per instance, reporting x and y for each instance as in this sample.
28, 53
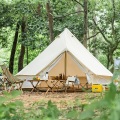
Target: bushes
10, 110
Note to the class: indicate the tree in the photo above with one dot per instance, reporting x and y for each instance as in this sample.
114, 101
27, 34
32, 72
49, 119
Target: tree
12, 56
50, 18
23, 38
109, 21
85, 23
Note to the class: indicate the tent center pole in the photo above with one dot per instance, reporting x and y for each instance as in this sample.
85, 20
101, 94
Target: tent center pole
65, 63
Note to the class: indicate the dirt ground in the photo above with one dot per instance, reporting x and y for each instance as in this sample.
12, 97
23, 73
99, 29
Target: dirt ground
57, 97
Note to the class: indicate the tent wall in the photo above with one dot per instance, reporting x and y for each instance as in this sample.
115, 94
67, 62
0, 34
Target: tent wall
26, 84
27, 77
72, 69
101, 79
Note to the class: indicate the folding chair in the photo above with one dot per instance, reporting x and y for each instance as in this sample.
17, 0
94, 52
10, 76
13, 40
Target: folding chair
72, 81
12, 81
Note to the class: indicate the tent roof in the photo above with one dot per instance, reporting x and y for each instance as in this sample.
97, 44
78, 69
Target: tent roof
66, 41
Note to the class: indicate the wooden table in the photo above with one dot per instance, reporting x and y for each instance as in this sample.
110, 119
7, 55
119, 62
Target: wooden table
50, 87
35, 85
54, 85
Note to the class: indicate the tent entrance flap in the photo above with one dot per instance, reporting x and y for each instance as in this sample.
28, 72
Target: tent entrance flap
66, 66
72, 68
59, 67
82, 68
52, 65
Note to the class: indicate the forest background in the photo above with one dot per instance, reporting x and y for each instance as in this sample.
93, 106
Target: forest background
27, 27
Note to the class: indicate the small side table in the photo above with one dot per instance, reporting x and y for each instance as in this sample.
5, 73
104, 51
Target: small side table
34, 86
52, 86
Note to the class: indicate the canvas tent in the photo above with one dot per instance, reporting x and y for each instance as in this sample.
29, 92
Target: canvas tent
68, 56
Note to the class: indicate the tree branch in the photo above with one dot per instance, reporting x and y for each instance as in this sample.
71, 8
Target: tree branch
79, 3
67, 14
102, 32
93, 36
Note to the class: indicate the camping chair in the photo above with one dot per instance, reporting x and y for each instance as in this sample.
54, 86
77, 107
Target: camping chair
12, 81
72, 81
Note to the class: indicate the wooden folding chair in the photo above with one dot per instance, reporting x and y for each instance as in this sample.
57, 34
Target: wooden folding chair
11, 81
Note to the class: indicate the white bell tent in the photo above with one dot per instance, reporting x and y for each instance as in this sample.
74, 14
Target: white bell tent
67, 56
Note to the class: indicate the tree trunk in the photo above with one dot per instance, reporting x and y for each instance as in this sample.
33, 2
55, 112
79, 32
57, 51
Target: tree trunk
110, 61
50, 19
11, 61
85, 24
113, 37
94, 40
27, 55
22, 52
21, 58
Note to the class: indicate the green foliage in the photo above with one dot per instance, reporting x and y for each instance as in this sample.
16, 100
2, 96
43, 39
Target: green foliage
10, 110
103, 59
73, 114
51, 112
